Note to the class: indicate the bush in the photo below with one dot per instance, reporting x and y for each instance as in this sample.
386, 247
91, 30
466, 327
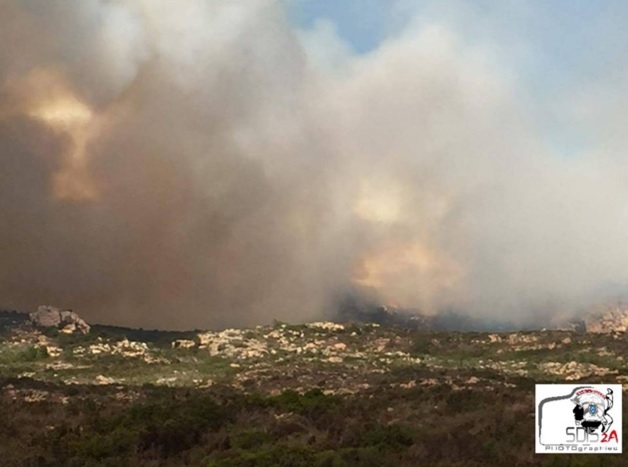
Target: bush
273, 456
313, 403
387, 437
25, 354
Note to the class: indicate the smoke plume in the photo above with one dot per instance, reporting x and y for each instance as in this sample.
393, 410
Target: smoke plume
208, 165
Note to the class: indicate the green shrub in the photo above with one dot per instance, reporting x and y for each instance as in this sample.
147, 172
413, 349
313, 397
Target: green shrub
24, 354
273, 456
312, 403
386, 437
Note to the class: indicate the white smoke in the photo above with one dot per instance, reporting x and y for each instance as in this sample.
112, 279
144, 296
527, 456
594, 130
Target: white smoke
207, 165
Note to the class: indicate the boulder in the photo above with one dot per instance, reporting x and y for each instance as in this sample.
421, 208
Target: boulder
183, 344
74, 322
46, 317
68, 321
103, 380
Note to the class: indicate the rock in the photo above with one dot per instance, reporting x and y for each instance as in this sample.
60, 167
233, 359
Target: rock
167, 381
96, 349
232, 344
69, 329
183, 344
129, 349
68, 321
53, 351
204, 339
74, 321
102, 380
46, 317
340, 346
327, 326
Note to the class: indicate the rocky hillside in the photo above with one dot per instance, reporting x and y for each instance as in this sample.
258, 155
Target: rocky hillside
344, 357
313, 394
610, 319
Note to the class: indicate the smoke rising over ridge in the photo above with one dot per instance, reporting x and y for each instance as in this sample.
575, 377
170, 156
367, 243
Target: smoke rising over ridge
211, 166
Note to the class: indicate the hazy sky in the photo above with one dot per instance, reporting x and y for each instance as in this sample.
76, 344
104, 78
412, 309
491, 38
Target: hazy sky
552, 49
210, 163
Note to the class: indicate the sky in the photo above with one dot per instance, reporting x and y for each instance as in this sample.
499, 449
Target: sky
205, 164
552, 49
569, 40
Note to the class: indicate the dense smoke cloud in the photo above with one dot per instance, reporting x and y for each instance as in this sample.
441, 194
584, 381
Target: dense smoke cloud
209, 166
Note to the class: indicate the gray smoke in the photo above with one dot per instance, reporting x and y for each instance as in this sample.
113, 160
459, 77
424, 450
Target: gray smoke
209, 166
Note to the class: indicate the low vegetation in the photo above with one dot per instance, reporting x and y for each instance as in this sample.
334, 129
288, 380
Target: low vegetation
311, 395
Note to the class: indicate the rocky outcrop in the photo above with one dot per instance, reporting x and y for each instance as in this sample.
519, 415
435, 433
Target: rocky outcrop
183, 344
65, 320
610, 320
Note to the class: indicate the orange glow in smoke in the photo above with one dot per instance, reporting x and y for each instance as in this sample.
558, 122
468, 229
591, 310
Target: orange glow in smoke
408, 275
67, 114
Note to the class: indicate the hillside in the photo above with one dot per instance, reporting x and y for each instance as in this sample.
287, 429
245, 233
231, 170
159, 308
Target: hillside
313, 394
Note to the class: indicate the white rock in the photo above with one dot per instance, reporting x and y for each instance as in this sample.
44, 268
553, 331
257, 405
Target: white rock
102, 380
326, 325
183, 344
